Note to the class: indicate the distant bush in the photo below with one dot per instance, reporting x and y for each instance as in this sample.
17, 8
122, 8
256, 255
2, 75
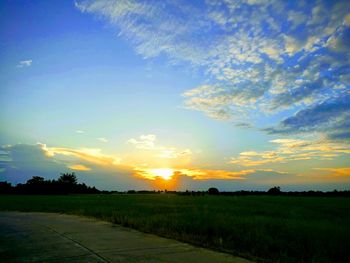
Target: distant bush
274, 190
213, 191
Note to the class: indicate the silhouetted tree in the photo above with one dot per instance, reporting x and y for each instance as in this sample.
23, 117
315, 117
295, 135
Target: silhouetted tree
68, 178
36, 180
213, 191
34, 185
274, 190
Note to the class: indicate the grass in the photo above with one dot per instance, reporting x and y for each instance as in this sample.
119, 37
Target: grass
265, 228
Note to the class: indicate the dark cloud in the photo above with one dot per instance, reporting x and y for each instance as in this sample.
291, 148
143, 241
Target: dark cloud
20, 162
244, 125
331, 117
339, 135
340, 42
296, 95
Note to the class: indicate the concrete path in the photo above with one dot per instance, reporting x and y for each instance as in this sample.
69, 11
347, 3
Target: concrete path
46, 237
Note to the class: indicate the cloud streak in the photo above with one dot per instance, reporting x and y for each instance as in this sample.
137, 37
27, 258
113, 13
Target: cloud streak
24, 63
87, 154
101, 139
331, 117
195, 174
148, 143
289, 150
342, 171
79, 167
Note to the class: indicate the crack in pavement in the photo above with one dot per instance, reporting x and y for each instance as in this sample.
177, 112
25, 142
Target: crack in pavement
76, 243
49, 237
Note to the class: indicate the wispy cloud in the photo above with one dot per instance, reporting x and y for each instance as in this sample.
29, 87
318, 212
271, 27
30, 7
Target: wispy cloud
195, 174
87, 154
204, 174
24, 63
101, 139
79, 167
148, 142
80, 131
261, 57
327, 174
342, 171
292, 150
144, 142
246, 125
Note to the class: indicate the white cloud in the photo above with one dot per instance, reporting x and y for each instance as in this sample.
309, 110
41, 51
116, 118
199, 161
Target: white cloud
261, 57
148, 142
24, 63
144, 142
296, 18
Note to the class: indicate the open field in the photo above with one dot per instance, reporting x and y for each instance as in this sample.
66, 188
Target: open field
271, 228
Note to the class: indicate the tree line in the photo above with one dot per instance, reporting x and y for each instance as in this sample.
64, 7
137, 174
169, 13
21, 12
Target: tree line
67, 183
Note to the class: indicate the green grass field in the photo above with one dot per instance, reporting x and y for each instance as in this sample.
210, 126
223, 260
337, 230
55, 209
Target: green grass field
268, 228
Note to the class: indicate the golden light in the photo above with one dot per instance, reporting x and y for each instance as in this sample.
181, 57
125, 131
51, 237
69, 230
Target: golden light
164, 173
79, 167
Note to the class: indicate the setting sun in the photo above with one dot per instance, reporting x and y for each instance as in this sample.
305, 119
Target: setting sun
164, 173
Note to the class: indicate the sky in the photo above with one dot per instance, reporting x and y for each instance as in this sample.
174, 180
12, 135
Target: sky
176, 95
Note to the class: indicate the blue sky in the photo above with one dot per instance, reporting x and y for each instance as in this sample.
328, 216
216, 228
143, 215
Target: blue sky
177, 94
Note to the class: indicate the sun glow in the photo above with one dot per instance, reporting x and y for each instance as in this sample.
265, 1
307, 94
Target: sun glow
164, 173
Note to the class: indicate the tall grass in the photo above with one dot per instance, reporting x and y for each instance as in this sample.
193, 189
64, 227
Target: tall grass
268, 228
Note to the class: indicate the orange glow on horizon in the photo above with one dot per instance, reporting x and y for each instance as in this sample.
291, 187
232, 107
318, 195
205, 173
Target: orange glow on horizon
155, 173
164, 173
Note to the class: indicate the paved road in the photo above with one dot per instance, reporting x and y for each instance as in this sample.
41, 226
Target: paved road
45, 237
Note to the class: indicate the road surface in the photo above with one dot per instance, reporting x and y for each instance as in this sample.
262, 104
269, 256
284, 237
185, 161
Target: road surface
48, 237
